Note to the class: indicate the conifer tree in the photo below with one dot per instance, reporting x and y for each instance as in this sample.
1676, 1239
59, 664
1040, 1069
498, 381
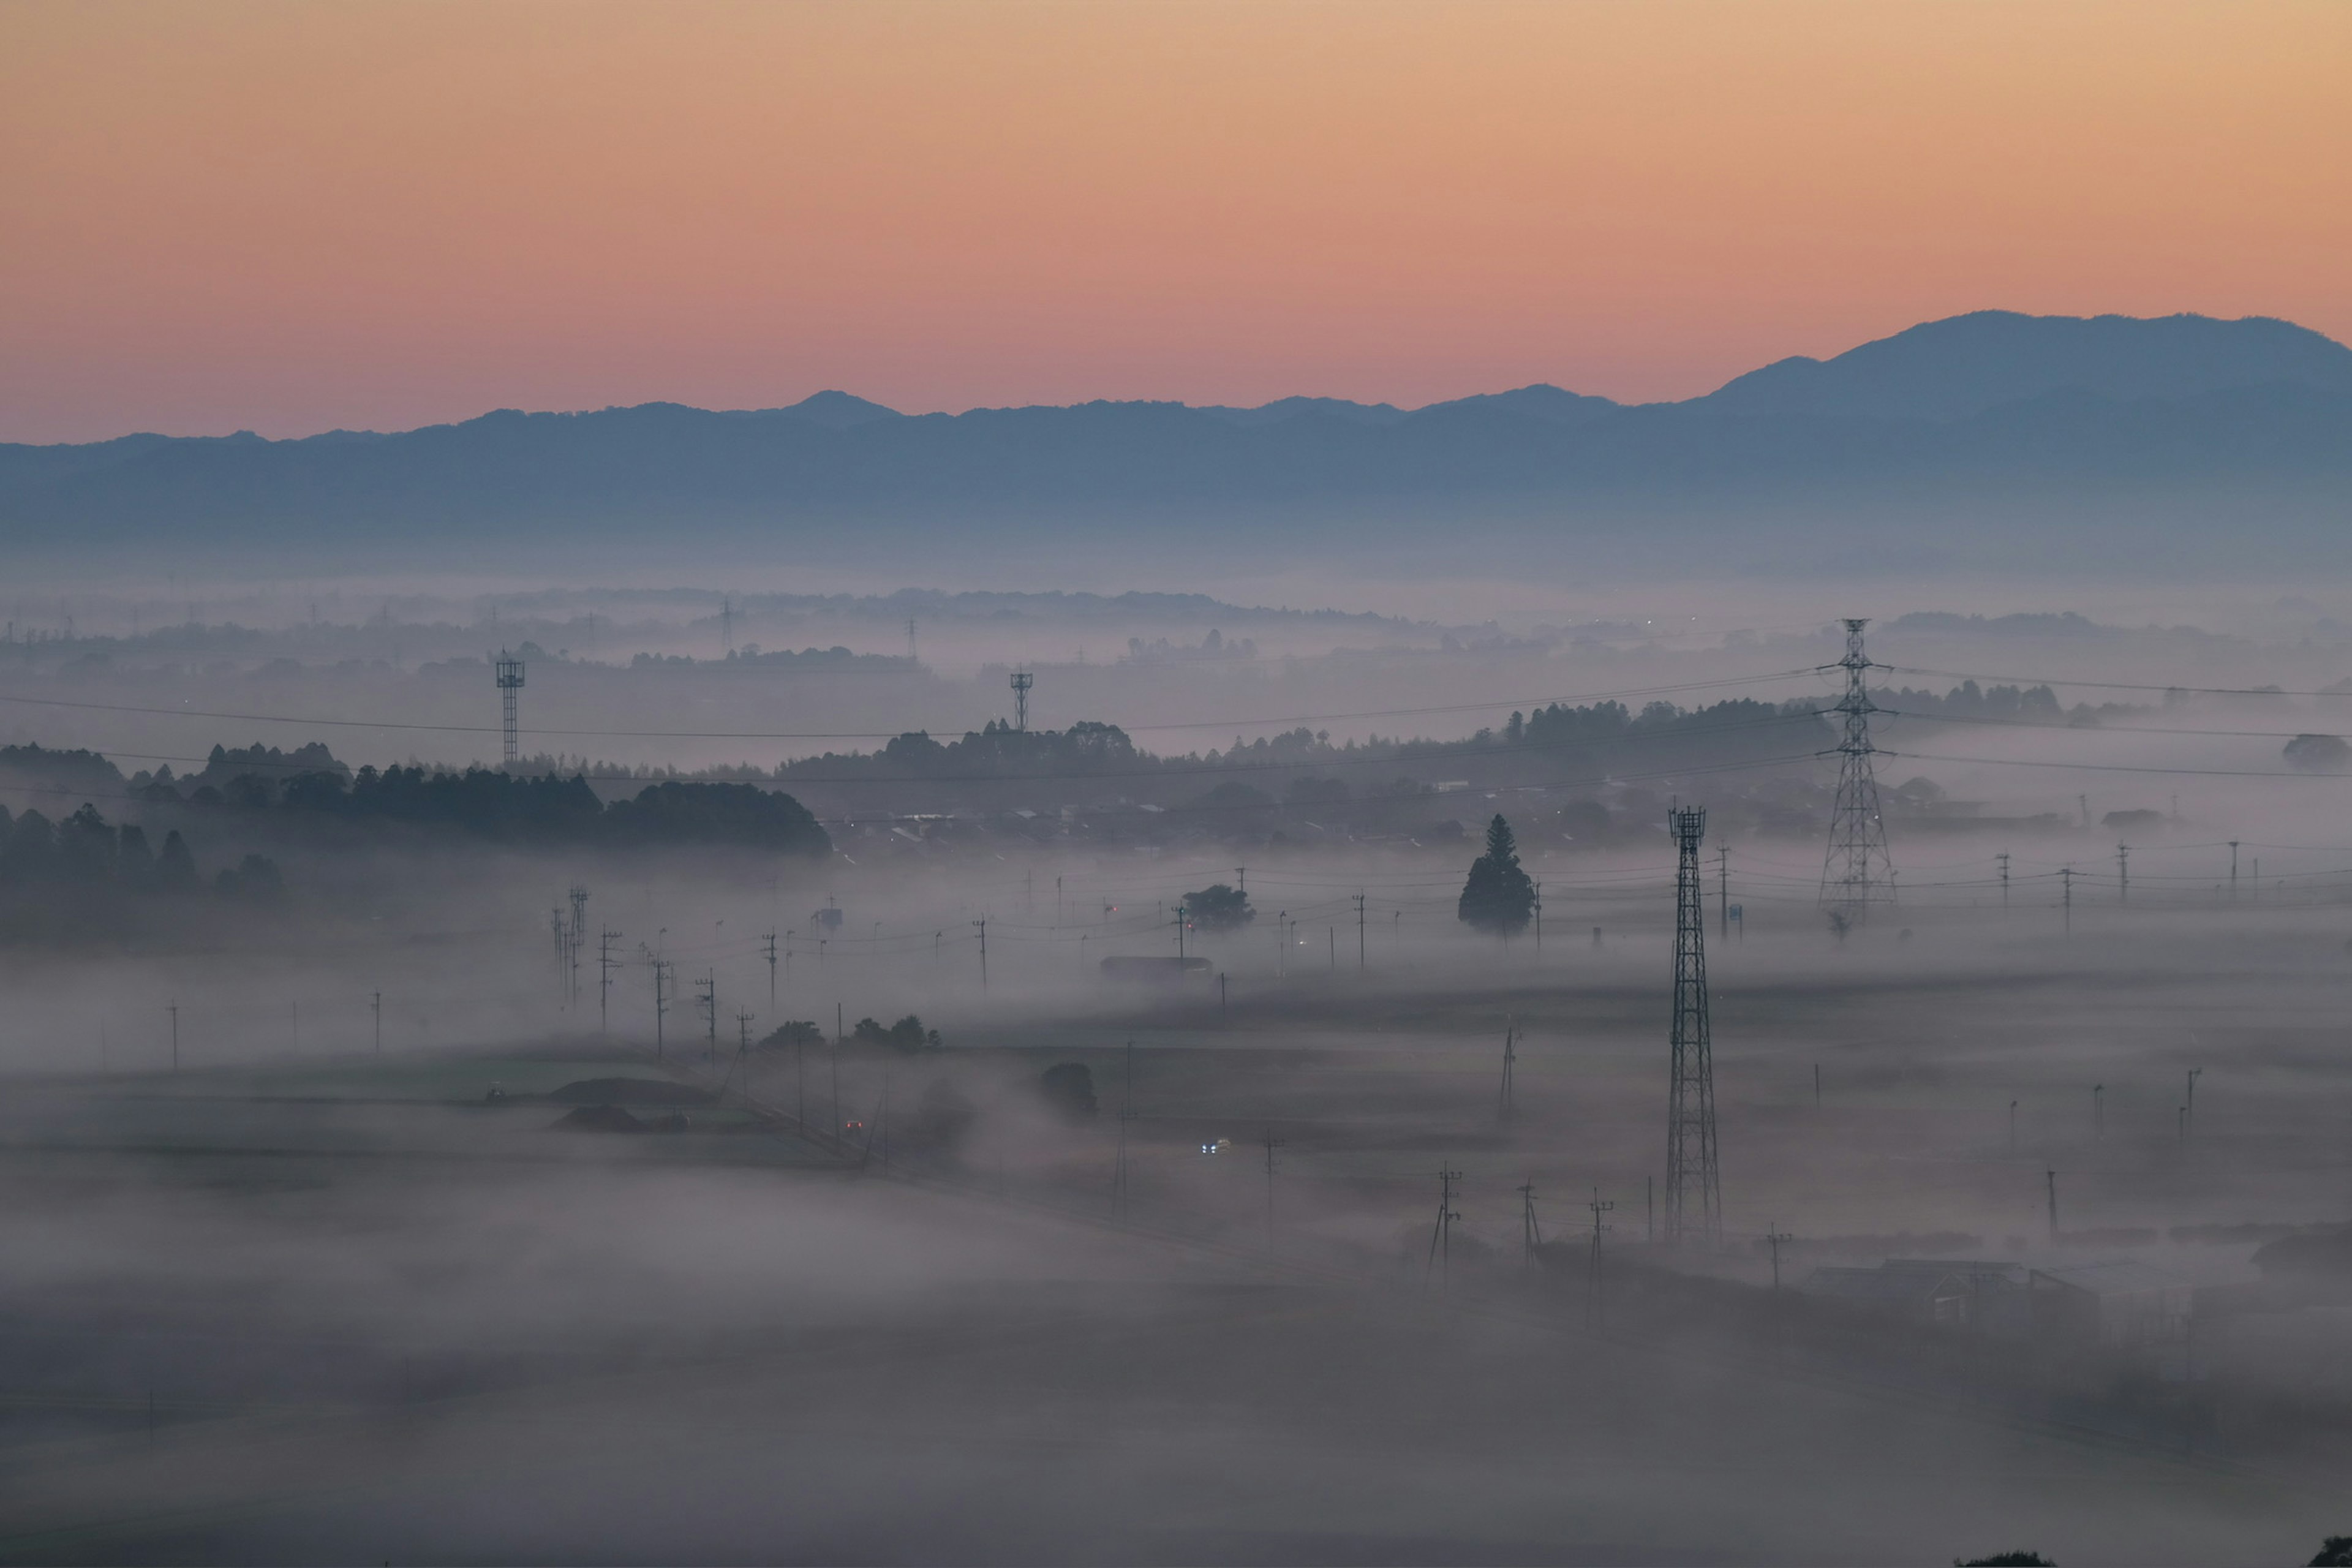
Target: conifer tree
1498, 896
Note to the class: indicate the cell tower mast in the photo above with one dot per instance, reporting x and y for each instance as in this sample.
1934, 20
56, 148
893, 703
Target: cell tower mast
1022, 681
1857, 871
509, 682
1693, 1191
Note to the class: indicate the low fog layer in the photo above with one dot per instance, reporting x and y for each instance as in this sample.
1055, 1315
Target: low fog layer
383, 1185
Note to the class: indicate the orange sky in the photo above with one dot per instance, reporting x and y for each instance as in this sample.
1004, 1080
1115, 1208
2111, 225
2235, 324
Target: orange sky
288, 217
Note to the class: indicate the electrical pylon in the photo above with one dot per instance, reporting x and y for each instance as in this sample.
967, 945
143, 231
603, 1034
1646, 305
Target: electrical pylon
1857, 871
1022, 681
1693, 1191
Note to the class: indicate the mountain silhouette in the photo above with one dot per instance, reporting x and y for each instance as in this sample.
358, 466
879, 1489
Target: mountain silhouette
2096, 435
1967, 364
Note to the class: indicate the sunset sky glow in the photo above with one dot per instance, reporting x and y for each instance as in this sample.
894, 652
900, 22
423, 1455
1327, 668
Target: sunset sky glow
291, 217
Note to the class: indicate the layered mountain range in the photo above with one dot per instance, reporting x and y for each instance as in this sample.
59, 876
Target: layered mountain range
2122, 433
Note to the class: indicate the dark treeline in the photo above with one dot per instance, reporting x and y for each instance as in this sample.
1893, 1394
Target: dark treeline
1379, 785
2009, 704
1601, 735
83, 873
1092, 782
544, 809
259, 788
1376, 786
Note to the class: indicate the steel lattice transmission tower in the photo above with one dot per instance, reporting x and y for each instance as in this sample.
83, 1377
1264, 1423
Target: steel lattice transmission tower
1022, 681
509, 682
1693, 1190
1857, 871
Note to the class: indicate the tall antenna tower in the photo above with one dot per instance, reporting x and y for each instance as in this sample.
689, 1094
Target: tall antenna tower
1693, 1190
509, 682
1022, 681
1857, 871
727, 625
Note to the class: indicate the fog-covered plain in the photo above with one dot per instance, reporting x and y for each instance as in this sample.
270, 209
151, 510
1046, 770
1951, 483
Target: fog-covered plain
304, 1298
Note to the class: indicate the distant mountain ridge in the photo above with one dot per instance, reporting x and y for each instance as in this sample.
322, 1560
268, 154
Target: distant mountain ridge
1987, 416
1964, 365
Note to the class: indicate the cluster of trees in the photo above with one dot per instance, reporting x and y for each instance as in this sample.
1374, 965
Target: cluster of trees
2317, 754
1498, 896
70, 772
546, 808
2010, 704
1215, 646
732, 813
227, 764
1218, 907
1547, 739
1604, 724
86, 850
2020, 704
480, 800
996, 751
906, 1035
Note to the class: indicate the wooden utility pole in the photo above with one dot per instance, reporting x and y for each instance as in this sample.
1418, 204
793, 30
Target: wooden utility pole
1272, 1143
